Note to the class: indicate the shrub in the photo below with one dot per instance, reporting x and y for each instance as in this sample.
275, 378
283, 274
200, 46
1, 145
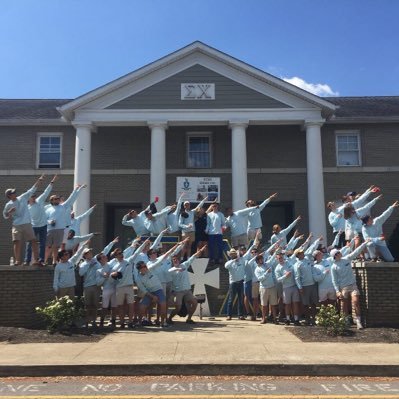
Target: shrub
331, 321
60, 314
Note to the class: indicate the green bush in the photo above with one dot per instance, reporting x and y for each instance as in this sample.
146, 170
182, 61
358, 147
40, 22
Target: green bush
331, 321
60, 314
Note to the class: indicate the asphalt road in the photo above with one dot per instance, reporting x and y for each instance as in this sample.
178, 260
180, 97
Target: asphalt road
199, 387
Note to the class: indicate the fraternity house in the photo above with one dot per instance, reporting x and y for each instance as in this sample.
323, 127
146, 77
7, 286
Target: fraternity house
200, 113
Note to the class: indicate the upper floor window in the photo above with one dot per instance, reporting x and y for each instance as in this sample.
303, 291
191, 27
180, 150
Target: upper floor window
348, 148
49, 146
199, 150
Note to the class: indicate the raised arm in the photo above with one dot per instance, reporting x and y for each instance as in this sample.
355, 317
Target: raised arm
201, 204
365, 210
380, 220
74, 195
86, 214
266, 201
158, 239
287, 230
77, 256
108, 247
41, 199
359, 201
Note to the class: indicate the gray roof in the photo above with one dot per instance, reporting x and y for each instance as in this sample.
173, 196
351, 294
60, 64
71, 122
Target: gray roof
349, 107
352, 107
30, 109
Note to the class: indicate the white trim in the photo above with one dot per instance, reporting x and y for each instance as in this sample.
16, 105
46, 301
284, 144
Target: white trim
178, 116
265, 171
348, 132
199, 134
39, 135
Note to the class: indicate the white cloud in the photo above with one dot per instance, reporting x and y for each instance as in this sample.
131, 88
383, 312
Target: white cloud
319, 89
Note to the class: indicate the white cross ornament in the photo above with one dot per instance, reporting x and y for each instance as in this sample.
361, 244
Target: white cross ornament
199, 278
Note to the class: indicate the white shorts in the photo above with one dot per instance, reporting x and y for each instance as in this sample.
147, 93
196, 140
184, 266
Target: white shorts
327, 293
109, 298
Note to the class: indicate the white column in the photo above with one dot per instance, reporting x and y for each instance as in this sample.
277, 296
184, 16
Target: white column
83, 171
239, 164
314, 164
158, 163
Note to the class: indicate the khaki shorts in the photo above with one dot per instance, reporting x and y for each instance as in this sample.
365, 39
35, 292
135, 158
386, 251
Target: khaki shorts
92, 296
190, 234
109, 298
255, 289
252, 234
123, 293
67, 291
185, 296
268, 296
23, 232
349, 291
237, 241
327, 294
54, 237
290, 294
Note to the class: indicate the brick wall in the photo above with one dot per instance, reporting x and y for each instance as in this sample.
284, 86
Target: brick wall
379, 299
22, 290
25, 288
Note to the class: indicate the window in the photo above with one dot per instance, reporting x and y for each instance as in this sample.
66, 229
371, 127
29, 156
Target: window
348, 148
199, 150
49, 150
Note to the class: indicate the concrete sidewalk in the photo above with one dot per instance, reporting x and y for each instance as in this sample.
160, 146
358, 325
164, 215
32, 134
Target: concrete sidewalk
209, 347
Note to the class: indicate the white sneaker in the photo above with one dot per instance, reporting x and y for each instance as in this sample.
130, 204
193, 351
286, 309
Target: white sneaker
359, 324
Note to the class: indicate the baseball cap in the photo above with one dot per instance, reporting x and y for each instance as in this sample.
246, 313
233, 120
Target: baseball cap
10, 191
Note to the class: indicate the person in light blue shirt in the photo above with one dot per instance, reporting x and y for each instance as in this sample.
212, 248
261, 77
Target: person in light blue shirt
281, 234
215, 226
306, 284
91, 291
372, 228
17, 210
55, 212
236, 268
254, 217
64, 281
122, 272
151, 286
284, 273
156, 222
344, 280
181, 286
136, 221
353, 224
172, 218
187, 225
36, 206
77, 221
73, 240
237, 223
104, 279
322, 275
268, 287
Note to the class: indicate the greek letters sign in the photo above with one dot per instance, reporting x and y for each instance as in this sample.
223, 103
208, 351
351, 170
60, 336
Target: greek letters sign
195, 189
198, 91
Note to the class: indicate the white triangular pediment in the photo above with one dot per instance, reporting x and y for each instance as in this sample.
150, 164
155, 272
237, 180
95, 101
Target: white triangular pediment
129, 90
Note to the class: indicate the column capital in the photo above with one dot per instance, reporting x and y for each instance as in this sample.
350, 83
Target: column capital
160, 123
238, 123
313, 123
88, 125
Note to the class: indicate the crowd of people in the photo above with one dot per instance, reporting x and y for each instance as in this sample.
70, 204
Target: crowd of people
283, 280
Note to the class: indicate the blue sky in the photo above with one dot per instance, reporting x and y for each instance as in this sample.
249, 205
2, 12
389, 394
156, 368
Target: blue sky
65, 48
